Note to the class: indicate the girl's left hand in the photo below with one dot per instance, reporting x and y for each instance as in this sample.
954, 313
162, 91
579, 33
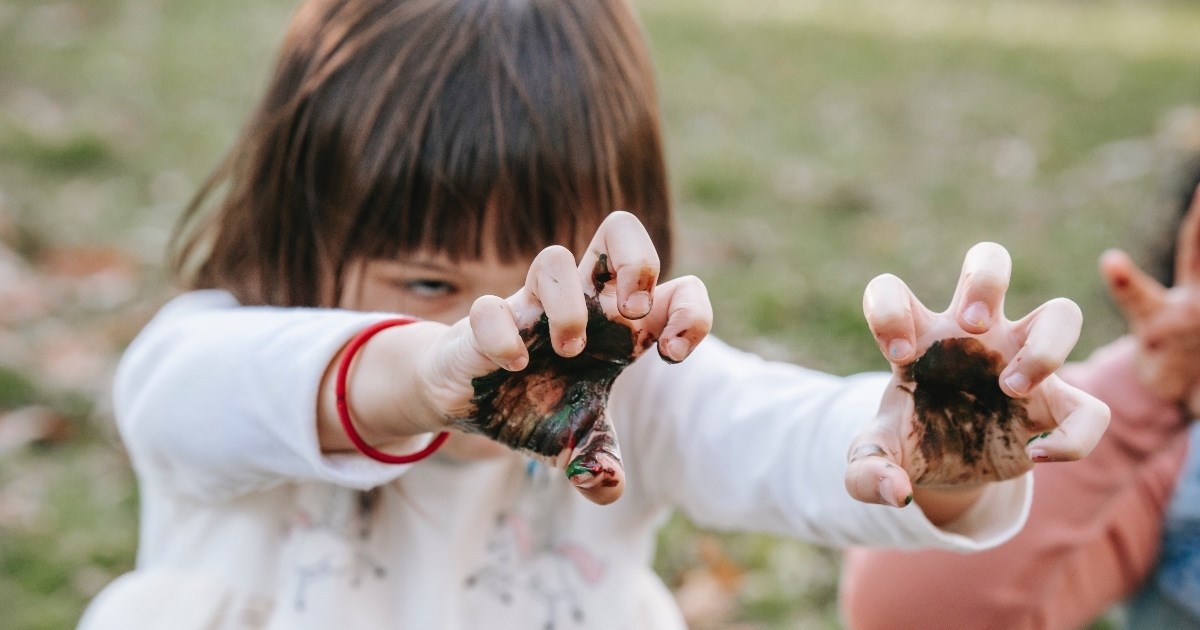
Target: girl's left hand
561, 341
973, 396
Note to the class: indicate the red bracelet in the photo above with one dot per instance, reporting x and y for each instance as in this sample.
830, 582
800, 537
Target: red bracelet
344, 408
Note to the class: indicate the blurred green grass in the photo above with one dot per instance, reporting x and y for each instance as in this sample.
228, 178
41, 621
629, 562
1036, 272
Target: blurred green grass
813, 145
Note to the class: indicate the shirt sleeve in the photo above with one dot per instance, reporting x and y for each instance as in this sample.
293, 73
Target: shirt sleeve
1092, 536
216, 399
739, 442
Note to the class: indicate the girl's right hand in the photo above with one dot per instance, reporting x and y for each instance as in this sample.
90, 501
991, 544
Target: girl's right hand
534, 371
1165, 321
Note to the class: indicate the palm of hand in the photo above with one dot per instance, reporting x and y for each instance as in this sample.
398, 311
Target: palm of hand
962, 428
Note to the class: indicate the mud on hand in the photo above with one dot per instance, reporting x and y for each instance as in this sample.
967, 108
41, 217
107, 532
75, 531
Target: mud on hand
555, 408
966, 428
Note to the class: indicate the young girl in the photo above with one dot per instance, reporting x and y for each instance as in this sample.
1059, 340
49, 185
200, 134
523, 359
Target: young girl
424, 157
1095, 529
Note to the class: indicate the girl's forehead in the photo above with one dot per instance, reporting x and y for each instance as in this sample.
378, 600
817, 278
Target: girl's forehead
436, 260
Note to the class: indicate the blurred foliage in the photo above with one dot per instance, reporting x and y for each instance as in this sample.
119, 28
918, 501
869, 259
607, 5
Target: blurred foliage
813, 145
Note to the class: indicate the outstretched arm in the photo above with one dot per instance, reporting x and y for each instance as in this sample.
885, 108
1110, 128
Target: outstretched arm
744, 443
216, 399
1091, 537
533, 371
1094, 527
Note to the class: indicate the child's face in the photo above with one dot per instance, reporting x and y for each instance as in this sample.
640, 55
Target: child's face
430, 286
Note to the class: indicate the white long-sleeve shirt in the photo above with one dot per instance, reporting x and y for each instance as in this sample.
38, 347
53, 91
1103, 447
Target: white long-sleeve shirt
247, 524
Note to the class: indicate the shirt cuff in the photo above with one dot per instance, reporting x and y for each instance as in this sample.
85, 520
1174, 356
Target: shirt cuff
999, 514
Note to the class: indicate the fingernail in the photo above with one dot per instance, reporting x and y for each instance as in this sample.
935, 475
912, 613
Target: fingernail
977, 314
579, 472
572, 347
678, 348
1018, 383
908, 499
588, 471
900, 349
518, 364
887, 492
1039, 455
638, 304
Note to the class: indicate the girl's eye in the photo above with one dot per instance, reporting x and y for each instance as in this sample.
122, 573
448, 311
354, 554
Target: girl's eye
427, 287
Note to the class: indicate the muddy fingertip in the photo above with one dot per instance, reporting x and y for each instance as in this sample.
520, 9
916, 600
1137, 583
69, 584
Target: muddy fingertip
572, 347
1016, 385
900, 351
601, 485
637, 305
977, 316
518, 364
674, 350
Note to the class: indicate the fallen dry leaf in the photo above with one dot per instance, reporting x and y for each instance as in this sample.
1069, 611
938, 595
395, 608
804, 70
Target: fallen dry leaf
707, 594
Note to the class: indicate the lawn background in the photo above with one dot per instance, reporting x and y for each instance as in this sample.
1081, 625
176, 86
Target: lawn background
813, 145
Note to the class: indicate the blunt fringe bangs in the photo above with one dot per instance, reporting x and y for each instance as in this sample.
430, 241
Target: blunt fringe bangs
456, 126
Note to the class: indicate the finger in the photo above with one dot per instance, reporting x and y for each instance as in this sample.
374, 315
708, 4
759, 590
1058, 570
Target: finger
895, 317
1136, 294
873, 476
623, 255
1050, 333
1187, 249
494, 333
595, 467
1081, 420
681, 318
979, 297
554, 282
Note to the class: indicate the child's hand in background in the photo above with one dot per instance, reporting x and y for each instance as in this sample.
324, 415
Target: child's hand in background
1165, 321
561, 341
973, 396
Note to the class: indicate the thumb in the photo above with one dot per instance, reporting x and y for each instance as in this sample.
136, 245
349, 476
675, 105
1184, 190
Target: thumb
595, 466
874, 476
874, 471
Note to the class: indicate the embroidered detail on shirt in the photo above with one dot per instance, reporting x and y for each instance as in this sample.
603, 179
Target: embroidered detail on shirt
330, 539
530, 563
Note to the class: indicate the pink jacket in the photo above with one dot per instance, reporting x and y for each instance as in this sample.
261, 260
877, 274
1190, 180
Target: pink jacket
1092, 536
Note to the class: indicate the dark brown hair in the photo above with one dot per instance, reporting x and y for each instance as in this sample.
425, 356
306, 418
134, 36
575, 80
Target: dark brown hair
392, 126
